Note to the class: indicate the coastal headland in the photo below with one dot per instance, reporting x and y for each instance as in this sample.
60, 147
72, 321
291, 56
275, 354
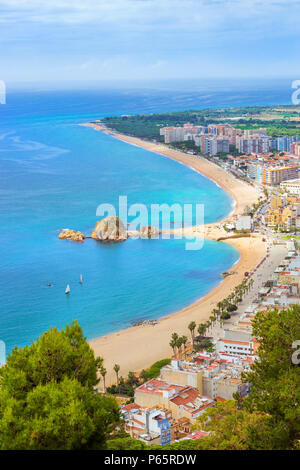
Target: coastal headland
140, 346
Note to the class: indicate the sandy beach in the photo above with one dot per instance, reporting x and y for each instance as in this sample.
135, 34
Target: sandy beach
138, 347
243, 194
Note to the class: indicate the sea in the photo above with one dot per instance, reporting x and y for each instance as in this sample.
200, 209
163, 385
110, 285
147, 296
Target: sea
54, 174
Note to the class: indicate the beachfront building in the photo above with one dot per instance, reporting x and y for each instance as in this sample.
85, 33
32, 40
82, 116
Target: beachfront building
291, 186
255, 171
219, 145
179, 134
275, 175
212, 140
172, 134
242, 349
212, 145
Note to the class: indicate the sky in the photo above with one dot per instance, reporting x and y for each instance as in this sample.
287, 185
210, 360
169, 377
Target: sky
107, 40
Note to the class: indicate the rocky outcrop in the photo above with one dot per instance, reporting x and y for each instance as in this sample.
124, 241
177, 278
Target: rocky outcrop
71, 235
148, 232
110, 229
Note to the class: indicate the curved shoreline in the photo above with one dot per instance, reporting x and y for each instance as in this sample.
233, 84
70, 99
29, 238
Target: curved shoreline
137, 347
242, 193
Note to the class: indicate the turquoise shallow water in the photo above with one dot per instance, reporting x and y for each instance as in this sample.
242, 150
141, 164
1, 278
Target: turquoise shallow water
53, 175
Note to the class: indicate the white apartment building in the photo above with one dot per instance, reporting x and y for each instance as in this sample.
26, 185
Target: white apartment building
218, 145
255, 144
291, 186
242, 349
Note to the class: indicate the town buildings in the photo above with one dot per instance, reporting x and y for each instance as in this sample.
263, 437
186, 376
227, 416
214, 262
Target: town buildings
182, 401
283, 212
212, 139
285, 144
169, 405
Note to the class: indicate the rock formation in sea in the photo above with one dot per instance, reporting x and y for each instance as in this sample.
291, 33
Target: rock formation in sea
72, 235
148, 232
110, 229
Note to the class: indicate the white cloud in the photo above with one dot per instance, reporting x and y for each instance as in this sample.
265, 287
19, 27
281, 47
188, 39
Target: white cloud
170, 14
147, 37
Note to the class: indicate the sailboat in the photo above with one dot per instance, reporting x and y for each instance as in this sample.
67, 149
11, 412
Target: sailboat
67, 291
80, 280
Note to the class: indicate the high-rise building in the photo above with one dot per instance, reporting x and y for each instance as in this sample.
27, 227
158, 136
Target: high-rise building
296, 148
178, 134
255, 144
275, 175
219, 145
284, 144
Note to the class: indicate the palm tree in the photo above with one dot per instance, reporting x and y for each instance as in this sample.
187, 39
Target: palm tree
103, 372
216, 312
192, 327
174, 336
179, 344
173, 344
174, 340
201, 329
117, 369
184, 341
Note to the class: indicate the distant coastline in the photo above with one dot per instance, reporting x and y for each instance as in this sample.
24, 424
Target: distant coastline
242, 193
129, 347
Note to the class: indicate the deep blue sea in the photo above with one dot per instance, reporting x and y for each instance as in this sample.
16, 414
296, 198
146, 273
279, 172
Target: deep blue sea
54, 174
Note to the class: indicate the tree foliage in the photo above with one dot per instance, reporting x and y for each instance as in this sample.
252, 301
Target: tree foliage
47, 398
275, 378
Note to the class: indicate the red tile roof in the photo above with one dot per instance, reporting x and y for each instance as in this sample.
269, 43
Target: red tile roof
198, 435
158, 386
130, 406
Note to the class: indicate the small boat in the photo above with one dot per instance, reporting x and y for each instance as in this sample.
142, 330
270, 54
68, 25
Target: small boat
67, 291
80, 280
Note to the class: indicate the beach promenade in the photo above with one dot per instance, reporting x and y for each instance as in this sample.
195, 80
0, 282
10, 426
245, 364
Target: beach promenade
138, 347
